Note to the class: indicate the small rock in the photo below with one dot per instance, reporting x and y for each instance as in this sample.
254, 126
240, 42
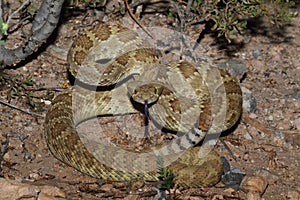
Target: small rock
28, 128
119, 184
11, 190
254, 184
247, 136
229, 191
51, 193
272, 178
33, 176
106, 187
47, 102
27, 123
252, 115
161, 194
256, 53
136, 185
27, 156
101, 182
15, 190
294, 96
109, 194
22, 137
119, 194
296, 123
270, 118
93, 187
293, 194
235, 68
284, 125
232, 176
279, 134
6, 157
215, 197
253, 196
252, 131
17, 118
249, 101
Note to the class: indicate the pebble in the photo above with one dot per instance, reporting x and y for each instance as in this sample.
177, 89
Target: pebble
22, 137
252, 116
47, 102
106, 187
294, 96
215, 197
136, 185
293, 194
253, 196
229, 191
254, 184
270, 118
247, 136
11, 189
119, 184
27, 156
272, 178
279, 134
249, 101
94, 187
256, 53
6, 157
119, 194
28, 128
253, 131
17, 118
235, 68
33, 176
101, 182
284, 125
232, 176
51, 193
296, 123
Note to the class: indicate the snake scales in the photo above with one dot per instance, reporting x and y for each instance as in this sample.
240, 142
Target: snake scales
194, 99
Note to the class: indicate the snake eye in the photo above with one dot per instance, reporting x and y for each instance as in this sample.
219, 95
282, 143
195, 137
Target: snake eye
158, 91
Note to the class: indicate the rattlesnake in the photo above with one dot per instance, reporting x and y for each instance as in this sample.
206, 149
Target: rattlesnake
193, 99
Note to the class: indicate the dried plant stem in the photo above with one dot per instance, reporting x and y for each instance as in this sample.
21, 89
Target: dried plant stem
136, 19
16, 11
21, 109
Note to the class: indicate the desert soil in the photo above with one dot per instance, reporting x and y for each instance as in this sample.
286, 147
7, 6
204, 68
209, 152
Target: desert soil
265, 143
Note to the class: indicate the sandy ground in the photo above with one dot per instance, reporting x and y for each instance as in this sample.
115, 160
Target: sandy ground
265, 143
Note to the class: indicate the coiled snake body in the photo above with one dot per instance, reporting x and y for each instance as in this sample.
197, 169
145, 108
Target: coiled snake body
194, 99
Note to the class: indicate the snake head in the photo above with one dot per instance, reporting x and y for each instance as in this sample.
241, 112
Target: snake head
144, 93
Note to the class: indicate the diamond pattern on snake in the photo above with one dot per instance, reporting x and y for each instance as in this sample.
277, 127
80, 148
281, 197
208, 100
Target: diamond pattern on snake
195, 99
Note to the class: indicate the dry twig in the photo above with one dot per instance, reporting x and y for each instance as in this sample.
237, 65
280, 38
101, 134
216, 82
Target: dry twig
16, 11
21, 109
136, 19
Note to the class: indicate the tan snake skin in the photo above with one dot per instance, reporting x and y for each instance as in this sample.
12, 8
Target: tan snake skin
196, 100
